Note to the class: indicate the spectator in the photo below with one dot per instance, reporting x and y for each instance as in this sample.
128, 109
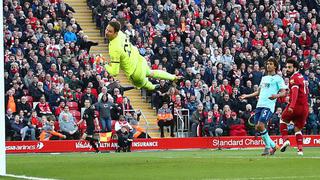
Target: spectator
11, 101
273, 125
126, 106
207, 103
70, 36
37, 90
43, 108
198, 120
68, 126
158, 96
116, 84
192, 104
17, 126
60, 108
165, 118
139, 132
226, 87
226, 101
8, 120
104, 107
247, 117
256, 75
24, 106
224, 118
85, 44
21, 127
88, 96
48, 131
237, 127
312, 125
125, 134
36, 122
104, 91
55, 98
209, 125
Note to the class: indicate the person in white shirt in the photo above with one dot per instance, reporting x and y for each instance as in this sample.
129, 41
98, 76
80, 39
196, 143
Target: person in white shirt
125, 134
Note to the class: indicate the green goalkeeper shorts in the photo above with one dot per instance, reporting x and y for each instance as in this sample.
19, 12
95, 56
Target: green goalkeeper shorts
139, 76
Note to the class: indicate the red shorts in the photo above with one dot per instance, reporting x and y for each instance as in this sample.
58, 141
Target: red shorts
298, 116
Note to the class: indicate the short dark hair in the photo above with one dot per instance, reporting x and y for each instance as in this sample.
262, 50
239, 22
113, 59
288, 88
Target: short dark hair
116, 25
88, 100
274, 61
295, 63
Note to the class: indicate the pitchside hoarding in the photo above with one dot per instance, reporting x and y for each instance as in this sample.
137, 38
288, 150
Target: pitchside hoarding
152, 144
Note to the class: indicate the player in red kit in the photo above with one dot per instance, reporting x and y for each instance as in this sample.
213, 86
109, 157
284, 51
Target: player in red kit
298, 109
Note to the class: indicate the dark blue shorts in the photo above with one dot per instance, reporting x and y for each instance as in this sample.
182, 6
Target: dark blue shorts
262, 115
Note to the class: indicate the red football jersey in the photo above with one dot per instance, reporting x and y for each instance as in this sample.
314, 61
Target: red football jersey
297, 81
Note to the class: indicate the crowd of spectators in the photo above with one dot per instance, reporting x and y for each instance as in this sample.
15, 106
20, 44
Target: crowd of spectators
50, 72
218, 46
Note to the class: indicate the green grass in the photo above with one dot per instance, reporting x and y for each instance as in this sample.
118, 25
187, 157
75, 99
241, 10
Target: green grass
190, 164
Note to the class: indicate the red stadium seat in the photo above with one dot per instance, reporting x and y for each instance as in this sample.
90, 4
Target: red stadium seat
98, 126
76, 114
97, 114
73, 105
113, 123
56, 126
94, 92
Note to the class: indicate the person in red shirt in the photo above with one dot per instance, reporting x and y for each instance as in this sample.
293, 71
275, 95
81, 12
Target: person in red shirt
298, 109
226, 87
304, 41
33, 20
257, 40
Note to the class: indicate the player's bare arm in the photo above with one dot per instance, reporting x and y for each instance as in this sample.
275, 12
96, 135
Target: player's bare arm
282, 93
254, 94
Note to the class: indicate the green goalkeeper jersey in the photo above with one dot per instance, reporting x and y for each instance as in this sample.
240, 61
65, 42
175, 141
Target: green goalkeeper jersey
123, 55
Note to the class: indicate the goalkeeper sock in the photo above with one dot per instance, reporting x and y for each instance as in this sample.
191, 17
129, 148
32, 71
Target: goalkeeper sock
149, 86
158, 74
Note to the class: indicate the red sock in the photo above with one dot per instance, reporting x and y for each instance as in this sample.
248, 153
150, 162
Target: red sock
284, 131
299, 139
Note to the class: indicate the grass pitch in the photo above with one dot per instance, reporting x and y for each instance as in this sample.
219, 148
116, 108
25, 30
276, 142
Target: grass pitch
173, 165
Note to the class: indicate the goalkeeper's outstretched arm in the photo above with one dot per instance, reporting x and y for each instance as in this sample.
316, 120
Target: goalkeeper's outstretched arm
113, 68
113, 65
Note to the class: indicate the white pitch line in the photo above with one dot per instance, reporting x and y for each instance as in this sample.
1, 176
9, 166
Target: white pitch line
27, 177
255, 157
263, 178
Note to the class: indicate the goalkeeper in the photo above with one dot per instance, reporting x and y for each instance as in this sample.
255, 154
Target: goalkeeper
126, 56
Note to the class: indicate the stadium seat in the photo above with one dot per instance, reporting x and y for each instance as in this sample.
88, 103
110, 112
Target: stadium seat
94, 92
113, 123
97, 126
97, 114
56, 126
76, 114
73, 105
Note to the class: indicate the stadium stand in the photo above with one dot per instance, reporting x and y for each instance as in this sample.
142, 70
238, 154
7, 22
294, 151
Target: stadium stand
218, 46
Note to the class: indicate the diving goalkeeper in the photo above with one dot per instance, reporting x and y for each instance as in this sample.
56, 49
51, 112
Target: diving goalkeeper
126, 56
